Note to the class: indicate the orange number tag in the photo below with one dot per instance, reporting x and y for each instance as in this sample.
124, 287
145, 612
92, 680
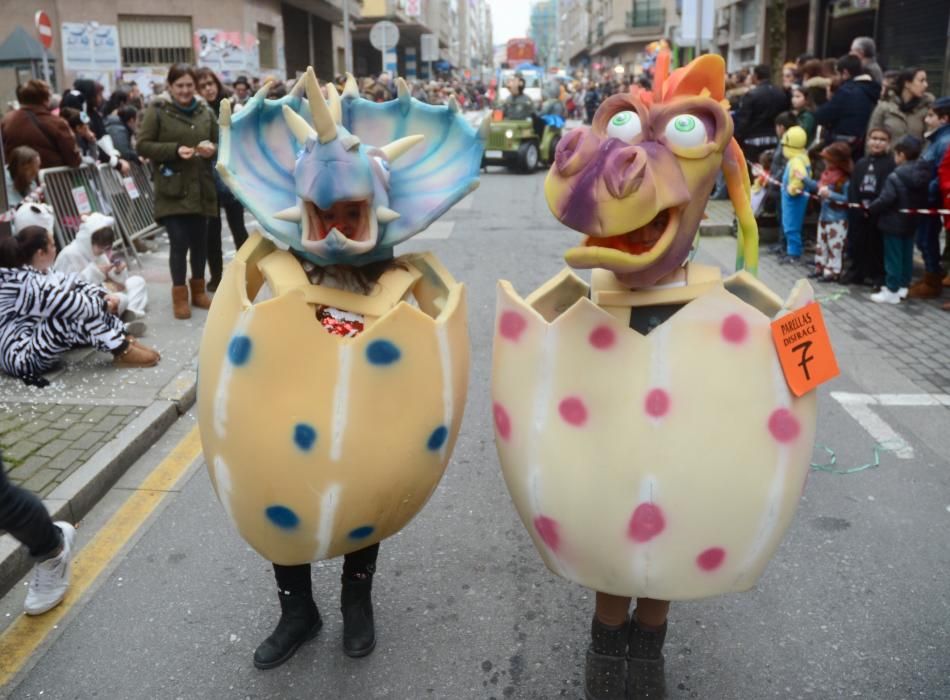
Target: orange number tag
804, 349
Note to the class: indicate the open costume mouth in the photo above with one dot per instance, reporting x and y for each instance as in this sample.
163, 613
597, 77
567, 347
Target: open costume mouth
631, 251
351, 220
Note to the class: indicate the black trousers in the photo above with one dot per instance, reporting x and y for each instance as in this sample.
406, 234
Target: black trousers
22, 515
296, 579
186, 233
234, 212
866, 245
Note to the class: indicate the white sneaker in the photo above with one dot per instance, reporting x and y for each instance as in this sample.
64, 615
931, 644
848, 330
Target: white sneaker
51, 577
886, 296
902, 292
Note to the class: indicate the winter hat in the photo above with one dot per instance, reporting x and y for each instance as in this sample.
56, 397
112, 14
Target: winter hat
95, 221
838, 155
795, 137
33, 214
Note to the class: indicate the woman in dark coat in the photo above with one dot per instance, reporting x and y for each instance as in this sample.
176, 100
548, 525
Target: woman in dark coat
210, 87
179, 134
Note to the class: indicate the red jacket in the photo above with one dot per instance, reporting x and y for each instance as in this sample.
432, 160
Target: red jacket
52, 139
943, 182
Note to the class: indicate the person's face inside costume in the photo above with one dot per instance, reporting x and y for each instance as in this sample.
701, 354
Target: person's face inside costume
183, 90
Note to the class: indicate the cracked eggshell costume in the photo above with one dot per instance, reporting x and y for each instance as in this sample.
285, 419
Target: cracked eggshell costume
667, 464
320, 444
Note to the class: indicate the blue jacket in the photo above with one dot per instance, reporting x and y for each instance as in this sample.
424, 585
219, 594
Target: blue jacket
834, 208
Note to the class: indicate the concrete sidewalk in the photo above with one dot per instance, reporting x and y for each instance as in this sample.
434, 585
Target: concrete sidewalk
71, 441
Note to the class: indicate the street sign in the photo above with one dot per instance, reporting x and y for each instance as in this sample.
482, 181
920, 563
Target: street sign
429, 45
44, 28
384, 35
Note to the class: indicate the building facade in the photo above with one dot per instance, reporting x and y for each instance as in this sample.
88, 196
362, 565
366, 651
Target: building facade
139, 39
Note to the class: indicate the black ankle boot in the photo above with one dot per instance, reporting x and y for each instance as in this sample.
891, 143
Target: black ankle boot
645, 673
299, 621
359, 631
605, 674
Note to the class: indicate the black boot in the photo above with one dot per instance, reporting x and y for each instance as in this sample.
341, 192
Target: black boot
645, 673
299, 621
605, 674
356, 603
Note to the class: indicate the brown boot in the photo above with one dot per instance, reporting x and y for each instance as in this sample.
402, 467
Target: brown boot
180, 301
946, 281
198, 296
136, 355
929, 287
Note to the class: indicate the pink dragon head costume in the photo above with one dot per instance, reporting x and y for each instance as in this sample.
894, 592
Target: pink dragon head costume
644, 426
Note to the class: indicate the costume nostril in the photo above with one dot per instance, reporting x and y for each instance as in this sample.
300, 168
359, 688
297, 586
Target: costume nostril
566, 148
624, 172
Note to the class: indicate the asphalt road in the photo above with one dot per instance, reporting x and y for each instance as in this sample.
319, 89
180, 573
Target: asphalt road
856, 602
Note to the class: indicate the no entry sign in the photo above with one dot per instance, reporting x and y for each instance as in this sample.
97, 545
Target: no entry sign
44, 28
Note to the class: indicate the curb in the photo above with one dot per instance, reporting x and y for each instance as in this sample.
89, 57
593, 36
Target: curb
80, 492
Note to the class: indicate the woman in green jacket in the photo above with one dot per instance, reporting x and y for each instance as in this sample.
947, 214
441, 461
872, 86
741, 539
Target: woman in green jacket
179, 135
902, 112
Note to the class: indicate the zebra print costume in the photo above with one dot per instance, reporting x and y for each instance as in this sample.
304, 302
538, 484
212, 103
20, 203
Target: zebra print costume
42, 315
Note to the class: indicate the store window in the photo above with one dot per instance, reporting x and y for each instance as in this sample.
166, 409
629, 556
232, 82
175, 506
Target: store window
155, 41
266, 47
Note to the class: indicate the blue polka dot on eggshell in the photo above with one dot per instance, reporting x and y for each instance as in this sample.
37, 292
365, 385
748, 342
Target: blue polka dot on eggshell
438, 438
304, 436
382, 352
239, 350
361, 533
283, 517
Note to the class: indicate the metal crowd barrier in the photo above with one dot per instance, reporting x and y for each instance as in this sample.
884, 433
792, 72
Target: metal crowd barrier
73, 192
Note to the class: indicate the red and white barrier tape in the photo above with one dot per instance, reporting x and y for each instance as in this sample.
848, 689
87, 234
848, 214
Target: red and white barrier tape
857, 205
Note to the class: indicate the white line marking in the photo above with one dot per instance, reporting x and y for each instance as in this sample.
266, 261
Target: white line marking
438, 230
341, 400
858, 407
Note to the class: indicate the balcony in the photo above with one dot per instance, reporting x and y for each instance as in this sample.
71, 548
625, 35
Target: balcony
646, 18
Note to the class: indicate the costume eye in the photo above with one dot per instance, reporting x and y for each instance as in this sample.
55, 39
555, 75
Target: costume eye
685, 131
624, 126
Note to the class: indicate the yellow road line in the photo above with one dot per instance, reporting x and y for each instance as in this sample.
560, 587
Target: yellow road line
26, 634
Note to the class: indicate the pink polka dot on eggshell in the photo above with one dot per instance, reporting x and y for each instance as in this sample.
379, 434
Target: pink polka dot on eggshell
547, 530
573, 411
602, 337
784, 425
512, 325
657, 403
711, 559
502, 421
734, 328
646, 522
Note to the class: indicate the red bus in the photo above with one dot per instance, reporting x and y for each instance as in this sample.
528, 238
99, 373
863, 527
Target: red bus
521, 51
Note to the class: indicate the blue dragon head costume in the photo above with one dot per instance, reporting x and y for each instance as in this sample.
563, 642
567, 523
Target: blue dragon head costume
343, 180
320, 468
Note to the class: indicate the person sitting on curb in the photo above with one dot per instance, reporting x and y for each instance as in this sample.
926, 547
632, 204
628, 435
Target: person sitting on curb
90, 257
45, 313
50, 544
